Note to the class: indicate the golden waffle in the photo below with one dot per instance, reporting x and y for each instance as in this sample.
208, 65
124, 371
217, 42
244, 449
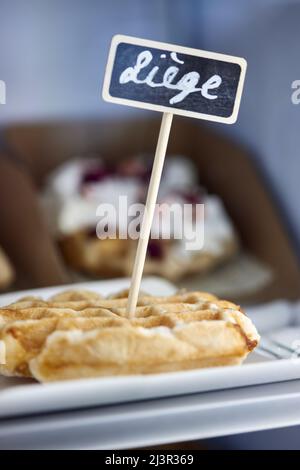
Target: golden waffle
114, 257
79, 334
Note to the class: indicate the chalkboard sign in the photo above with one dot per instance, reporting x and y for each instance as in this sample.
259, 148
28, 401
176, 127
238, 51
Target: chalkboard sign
179, 80
173, 80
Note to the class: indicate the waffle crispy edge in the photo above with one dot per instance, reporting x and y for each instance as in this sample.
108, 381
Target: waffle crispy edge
76, 335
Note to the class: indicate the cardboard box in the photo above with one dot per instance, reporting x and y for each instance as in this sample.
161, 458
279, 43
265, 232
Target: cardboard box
224, 169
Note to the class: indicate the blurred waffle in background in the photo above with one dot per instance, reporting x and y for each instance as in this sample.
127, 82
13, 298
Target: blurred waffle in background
75, 189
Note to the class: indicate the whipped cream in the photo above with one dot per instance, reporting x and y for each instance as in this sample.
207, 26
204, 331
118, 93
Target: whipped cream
218, 228
76, 189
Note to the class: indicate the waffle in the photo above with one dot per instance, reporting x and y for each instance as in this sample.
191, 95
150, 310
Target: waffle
79, 334
114, 257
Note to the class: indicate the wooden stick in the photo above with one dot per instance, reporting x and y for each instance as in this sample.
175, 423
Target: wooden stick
140, 256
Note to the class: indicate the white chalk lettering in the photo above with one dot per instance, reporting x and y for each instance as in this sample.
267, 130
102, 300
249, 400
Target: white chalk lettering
186, 85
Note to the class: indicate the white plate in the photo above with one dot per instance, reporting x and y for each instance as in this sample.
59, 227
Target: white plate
161, 421
20, 397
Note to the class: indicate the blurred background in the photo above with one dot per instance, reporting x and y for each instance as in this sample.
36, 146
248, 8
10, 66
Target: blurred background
52, 59
53, 56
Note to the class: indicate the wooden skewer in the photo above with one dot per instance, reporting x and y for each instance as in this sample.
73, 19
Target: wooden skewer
140, 256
